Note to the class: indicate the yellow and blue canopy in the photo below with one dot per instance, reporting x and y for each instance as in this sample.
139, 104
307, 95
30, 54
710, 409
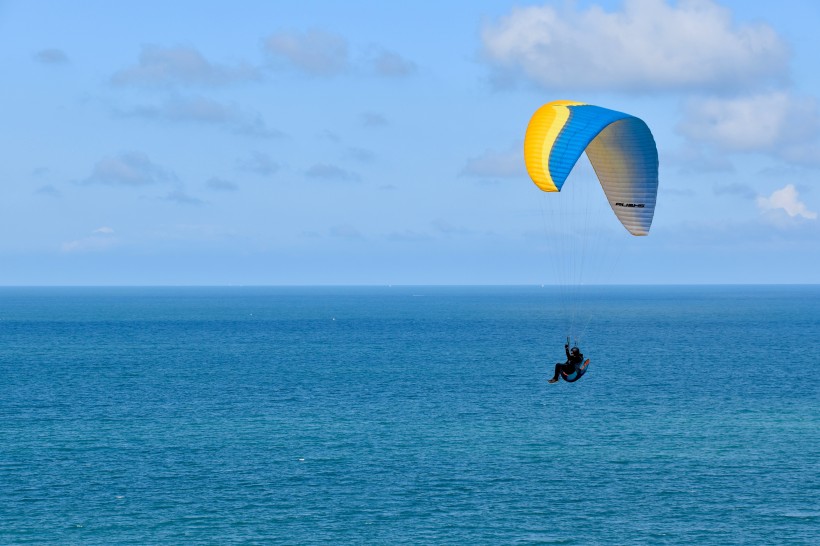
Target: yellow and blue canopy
620, 148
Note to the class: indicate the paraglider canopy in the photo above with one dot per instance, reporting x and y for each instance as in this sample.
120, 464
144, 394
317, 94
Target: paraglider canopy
620, 148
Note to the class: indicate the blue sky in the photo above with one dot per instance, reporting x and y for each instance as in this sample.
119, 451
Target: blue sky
380, 143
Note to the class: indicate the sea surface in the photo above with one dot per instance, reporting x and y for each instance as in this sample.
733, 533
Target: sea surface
408, 415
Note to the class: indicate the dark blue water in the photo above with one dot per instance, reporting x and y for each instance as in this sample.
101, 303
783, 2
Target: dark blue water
407, 416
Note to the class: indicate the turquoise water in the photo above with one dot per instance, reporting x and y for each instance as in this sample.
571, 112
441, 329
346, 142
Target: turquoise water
407, 416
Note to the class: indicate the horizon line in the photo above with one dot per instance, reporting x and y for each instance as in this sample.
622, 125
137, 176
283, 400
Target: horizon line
397, 285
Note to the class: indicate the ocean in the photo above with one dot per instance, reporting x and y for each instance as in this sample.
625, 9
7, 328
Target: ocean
408, 415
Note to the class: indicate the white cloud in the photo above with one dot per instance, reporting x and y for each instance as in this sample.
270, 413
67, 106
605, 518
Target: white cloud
493, 164
787, 200
180, 197
259, 163
321, 53
446, 228
391, 65
346, 231
100, 240
409, 236
694, 157
220, 184
128, 169
48, 189
183, 66
189, 109
360, 154
328, 171
196, 232
676, 192
51, 56
315, 52
756, 123
89, 244
206, 111
373, 119
649, 45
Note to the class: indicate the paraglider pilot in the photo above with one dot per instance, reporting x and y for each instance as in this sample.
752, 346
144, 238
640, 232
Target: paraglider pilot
574, 359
